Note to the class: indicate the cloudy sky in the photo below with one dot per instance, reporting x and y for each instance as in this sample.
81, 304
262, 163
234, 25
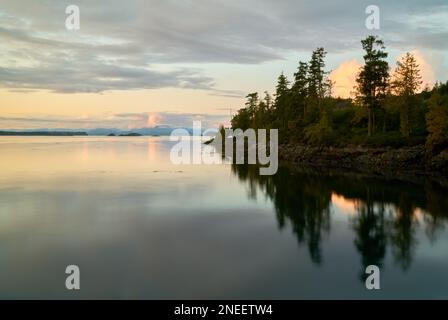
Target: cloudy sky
139, 63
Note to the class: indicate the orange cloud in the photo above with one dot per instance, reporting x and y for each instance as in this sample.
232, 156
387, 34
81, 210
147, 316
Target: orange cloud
344, 77
153, 119
346, 206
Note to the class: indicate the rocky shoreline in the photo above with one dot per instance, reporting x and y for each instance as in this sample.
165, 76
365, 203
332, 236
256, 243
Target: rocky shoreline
379, 161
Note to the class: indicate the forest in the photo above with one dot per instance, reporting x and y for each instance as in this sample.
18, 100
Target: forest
390, 106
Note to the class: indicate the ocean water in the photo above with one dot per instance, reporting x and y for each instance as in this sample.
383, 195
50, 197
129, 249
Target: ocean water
140, 227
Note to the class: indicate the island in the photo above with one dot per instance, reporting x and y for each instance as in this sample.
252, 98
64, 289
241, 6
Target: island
131, 134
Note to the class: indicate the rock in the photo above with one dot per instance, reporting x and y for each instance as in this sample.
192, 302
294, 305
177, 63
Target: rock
407, 159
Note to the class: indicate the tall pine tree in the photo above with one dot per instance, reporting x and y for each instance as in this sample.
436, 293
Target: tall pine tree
406, 82
373, 79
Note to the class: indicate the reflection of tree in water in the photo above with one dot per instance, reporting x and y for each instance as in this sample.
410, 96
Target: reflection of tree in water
404, 227
301, 202
370, 232
438, 207
387, 212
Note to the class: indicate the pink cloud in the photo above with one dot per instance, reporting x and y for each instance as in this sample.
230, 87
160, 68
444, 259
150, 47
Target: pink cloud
344, 77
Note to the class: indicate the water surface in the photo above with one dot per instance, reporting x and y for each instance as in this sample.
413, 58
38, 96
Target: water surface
140, 227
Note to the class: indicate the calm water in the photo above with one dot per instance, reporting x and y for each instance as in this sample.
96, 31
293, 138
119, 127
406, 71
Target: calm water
140, 227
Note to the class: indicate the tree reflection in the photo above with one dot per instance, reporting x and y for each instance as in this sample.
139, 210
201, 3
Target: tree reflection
388, 213
370, 240
403, 231
299, 202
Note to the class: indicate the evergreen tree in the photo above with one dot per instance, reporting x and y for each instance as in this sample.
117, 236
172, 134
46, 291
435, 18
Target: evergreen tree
282, 100
406, 82
241, 120
373, 78
281, 88
318, 87
316, 74
306, 112
268, 100
299, 90
251, 103
266, 108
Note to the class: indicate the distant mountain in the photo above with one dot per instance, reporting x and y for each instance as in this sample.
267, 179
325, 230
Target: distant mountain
42, 133
103, 132
131, 134
154, 131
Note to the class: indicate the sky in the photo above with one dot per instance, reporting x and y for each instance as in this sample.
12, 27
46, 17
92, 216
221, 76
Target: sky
143, 63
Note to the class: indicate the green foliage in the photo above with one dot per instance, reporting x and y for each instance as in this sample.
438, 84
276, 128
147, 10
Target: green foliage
241, 119
316, 74
319, 133
305, 112
373, 78
407, 81
299, 92
437, 120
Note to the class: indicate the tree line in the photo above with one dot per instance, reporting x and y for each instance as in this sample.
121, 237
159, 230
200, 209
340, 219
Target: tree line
388, 109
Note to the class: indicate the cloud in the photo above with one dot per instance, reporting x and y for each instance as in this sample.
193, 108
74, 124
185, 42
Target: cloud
344, 77
151, 119
121, 45
94, 76
228, 93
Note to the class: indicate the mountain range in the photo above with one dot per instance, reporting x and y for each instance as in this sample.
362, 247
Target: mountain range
153, 131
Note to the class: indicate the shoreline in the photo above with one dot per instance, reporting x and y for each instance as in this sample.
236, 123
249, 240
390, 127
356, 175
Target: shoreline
385, 161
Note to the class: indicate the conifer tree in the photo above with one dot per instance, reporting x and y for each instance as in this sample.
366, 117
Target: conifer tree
373, 79
406, 82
